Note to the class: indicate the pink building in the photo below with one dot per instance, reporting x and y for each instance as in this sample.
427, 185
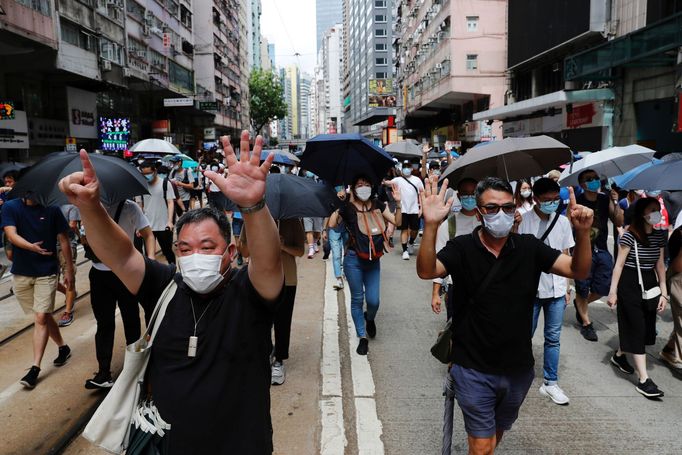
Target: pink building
451, 63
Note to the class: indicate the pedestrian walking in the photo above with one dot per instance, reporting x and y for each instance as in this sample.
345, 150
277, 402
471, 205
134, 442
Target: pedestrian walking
208, 373
495, 275
365, 219
597, 284
9, 179
639, 290
338, 239
409, 187
73, 218
183, 179
158, 207
35, 230
672, 351
545, 222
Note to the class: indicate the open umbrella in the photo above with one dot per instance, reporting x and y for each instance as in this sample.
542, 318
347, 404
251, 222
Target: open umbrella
665, 175
154, 146
118, 179
405, 149
512, 158
280, 158
11, 166
609, 162
338, 158
289, 196
187, 161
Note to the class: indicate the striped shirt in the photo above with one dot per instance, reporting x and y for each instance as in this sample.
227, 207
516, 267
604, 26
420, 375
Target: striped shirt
648, 255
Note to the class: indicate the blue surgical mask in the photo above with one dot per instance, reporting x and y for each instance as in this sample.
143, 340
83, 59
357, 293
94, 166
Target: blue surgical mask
593, 185
549, 207
407, 171
162, 176
653, 193
309, 174
149, 177
468, 202
339, 188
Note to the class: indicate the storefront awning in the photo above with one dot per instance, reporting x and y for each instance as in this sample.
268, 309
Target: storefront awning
376, 115
539, 103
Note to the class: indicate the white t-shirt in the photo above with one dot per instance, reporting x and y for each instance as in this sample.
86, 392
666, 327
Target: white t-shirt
409, 198
560, 238
464, 224
131, 219
155, 206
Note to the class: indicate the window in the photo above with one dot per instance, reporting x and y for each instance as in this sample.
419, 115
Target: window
137, 49
380, 75
72, 34
42, 6
472, 61
157, 60
380, 18
186, 17
379, 46
380, 61
180, 76
380, 3
472, 23
380, 32
110, 51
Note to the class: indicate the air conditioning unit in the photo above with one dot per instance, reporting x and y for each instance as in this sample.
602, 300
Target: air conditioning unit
106, 65
126, 72
439, 66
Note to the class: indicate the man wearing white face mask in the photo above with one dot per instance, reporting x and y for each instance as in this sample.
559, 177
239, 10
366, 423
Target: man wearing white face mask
410, 186
209, 370
495, 276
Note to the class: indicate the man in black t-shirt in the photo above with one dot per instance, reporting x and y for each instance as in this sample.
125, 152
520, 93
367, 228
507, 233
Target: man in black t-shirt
493, 358
209, 370
597, 284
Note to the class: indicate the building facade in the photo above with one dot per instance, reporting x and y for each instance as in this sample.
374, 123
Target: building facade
254, 10
327, 13
329, 83
290, 126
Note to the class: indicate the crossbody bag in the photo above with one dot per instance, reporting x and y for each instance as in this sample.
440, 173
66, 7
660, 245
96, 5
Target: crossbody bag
647, 294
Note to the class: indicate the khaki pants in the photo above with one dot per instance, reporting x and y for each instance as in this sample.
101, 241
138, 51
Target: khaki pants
35, 293
675, 340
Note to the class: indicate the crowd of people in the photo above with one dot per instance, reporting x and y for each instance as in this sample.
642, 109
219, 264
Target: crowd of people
497, 253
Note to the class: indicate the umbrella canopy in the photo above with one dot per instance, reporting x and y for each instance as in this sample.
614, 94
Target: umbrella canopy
11, 166
609, 162
665, 175
289, 155
289, 196
280, 158
338, 158
187, 162
118, 179
405, 149
154, 146
513, 158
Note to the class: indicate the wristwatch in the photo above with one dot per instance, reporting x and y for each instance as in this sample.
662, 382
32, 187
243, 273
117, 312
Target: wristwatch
253, 208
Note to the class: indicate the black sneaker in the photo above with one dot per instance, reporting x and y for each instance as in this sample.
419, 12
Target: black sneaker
363, 346
370, 326
587, 331
102, 380
577, 314
649, 389
621, 362
31, 377
63, 357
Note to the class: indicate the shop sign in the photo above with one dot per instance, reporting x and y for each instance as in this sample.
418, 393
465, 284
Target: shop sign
580, 115
82, 107
14, 132
43, 131
209, 134
208, 105
177, 102
114, 133
161, 126
188, 139
71, 145
472, 132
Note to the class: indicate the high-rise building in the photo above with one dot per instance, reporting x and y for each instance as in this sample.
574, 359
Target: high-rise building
253, 12
327, 13
306, 107
271, 54
265, 62
329, 81
290, 126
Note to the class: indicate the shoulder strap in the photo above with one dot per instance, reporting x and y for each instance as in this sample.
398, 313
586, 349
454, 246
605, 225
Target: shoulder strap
160, 310
551, 225
411, 184
639, 272
165, 188
119, 209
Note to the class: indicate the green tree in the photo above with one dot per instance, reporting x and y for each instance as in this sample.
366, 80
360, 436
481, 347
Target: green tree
267, 99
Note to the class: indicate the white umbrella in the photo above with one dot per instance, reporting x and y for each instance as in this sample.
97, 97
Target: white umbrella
609, 162
405, 149
154, 146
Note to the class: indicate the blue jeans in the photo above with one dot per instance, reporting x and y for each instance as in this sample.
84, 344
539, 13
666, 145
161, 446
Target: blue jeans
363, 281
336, 242
554, 316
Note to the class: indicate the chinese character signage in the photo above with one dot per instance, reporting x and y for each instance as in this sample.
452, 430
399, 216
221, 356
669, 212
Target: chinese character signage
114, 133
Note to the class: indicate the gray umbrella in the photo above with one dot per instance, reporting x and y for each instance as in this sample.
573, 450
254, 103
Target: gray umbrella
513, 158
663, 175
405, 149
289, 196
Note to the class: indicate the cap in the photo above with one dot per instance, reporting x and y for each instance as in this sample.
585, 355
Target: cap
174, 158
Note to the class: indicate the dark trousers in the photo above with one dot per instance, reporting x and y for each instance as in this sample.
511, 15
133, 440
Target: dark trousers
282, 323
105, 291
165, 239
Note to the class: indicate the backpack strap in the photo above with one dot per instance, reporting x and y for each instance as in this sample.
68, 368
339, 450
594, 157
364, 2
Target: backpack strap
372, 248
119, 209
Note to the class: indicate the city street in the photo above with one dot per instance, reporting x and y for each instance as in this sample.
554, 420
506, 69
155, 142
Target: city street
334, 401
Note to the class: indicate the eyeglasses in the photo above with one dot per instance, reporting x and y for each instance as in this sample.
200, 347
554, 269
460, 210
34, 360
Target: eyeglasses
558, 199
592, 179
494, 208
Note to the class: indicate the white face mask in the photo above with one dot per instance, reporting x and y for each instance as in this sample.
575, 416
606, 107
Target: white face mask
654, 218
498, 224
363, 193
407, 171
201, 272
525, 193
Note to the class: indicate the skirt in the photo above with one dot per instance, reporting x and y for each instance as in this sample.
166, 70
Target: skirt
636, 323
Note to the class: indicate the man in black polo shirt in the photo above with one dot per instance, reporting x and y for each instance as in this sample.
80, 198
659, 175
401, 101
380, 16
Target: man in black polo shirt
493, 358
209, 371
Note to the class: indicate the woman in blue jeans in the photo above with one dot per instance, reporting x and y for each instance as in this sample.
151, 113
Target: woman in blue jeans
365, 219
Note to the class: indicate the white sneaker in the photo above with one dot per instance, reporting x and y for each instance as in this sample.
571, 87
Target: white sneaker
406, 255
311, 252
339, 284
410, 248
554, 392
317, 248
277, 373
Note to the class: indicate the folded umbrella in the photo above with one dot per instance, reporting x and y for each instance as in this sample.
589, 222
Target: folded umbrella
664, 175
289, 196
118, 179
338, 158
609, 162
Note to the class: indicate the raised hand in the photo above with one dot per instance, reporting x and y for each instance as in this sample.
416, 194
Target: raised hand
82, 188
433, 204
396, 192
580, 216
245, 183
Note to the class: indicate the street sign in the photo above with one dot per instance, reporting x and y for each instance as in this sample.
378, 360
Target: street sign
176, 102
209, 134
71, 145
166, 40
208, 105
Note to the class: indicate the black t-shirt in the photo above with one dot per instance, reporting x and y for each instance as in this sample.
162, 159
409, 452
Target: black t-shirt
350, 215
494, 334
600, 223
675, 243
219, 401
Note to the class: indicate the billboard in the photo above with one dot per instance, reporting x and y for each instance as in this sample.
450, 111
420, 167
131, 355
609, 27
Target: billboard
380, 93
82, 113
114, 133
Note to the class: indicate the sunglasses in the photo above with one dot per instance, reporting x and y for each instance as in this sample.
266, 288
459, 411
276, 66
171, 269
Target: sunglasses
494, 208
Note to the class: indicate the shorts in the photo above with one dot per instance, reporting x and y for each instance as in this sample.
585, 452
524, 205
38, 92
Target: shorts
62, 261
489, 402
599, 280
35, 293
411, 221
312, 224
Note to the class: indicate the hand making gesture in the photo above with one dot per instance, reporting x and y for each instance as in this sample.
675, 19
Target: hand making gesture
581, 217
245, 183
82, 188
433, 204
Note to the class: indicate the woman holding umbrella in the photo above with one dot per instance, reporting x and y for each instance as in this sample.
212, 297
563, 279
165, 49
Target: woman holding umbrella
365, 219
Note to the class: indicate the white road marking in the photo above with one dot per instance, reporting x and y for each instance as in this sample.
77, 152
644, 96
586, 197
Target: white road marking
333, 437
363, 382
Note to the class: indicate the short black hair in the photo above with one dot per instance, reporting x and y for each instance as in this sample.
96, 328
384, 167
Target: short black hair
492, 183
274, 169
11, 174
206, 213
466, 180
545, 185
434, 165
359, 177
581, 176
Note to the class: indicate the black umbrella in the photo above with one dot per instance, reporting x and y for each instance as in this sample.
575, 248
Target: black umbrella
117, 178
11, 166
338, 158
289, 196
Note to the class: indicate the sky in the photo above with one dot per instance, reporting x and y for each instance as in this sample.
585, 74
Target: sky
290, 25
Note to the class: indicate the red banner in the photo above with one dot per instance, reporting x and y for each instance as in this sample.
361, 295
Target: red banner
580, 115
